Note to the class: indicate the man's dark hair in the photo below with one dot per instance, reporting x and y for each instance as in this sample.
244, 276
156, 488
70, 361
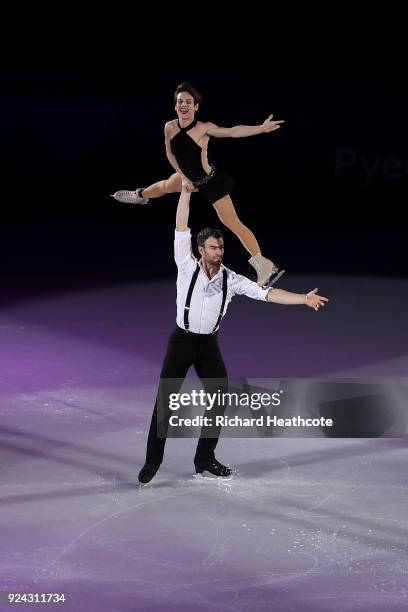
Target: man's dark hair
208, 232
185, 86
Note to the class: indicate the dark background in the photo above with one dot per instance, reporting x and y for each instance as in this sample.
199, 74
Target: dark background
325, 194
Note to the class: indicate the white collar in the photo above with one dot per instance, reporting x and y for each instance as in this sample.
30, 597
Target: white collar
222, 267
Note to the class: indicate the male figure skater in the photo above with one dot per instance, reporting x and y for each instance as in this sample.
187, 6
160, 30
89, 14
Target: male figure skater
205, 288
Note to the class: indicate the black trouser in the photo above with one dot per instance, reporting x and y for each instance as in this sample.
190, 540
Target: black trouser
185, 349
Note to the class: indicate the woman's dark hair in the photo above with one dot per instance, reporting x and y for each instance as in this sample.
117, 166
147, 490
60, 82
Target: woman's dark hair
185, 86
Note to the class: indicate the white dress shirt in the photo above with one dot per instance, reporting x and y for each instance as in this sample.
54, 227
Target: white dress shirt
206, 299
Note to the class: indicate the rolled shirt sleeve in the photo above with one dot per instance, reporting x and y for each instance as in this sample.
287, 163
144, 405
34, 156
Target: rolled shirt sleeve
241, 285
183, 255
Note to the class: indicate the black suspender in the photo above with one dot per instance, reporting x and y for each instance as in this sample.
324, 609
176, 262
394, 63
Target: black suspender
188, 299
190, 293
224, 297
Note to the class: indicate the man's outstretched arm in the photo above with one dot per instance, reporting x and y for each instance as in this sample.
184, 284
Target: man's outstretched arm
183, 211
241, 285
311, 299
183, 254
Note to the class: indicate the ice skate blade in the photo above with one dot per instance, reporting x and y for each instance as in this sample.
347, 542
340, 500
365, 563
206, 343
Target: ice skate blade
272, 280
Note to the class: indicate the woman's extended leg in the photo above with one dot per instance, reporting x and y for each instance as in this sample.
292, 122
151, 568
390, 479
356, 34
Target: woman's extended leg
227, 214
156, 190
161, 188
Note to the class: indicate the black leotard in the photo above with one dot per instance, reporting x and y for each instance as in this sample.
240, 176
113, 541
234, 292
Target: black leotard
187, 152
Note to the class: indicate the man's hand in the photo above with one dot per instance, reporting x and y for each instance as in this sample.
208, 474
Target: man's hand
315, 301
188, 186
269, 125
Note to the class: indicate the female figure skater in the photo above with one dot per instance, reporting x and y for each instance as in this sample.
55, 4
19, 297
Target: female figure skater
186, 141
